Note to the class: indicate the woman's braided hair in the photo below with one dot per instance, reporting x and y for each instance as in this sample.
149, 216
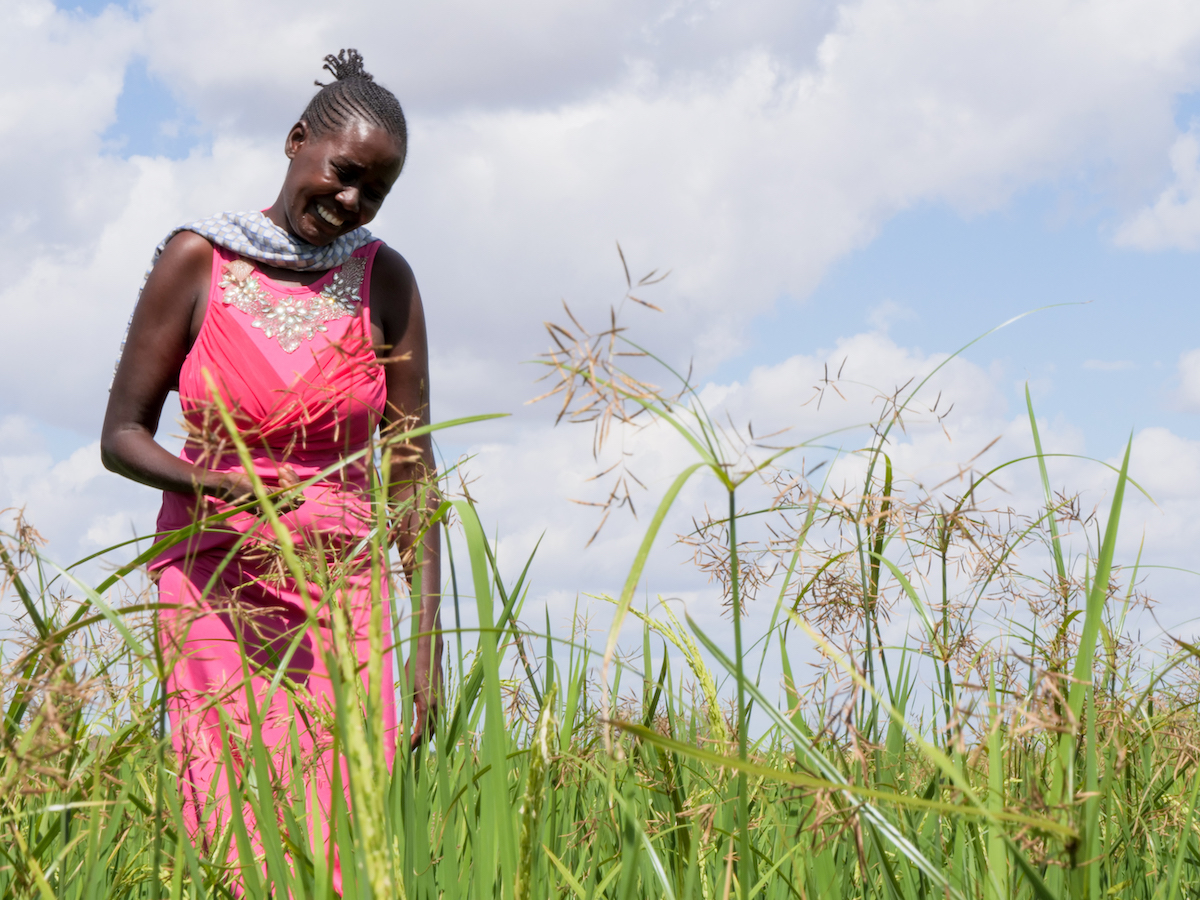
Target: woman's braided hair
354, 94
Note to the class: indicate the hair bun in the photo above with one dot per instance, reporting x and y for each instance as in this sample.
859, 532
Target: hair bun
346, 64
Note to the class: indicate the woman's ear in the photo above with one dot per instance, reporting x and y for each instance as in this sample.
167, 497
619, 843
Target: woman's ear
295, 139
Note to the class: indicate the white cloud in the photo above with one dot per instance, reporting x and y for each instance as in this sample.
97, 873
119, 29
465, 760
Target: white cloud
73, 502
862, 371
885, 314
67, 74
1188, 393
751, 180
747, 175
747, 147
1162, 530
1174, 218
79, 305
531, 54
528, 478
1167, 465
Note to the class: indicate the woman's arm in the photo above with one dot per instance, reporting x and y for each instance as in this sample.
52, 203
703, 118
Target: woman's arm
395, 296
165, 323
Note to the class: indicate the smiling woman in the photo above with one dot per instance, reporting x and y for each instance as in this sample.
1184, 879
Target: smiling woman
306, 333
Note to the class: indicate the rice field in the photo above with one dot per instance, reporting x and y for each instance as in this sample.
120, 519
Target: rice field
1059, 763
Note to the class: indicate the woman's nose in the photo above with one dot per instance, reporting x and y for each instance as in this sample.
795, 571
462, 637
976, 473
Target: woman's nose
349, 198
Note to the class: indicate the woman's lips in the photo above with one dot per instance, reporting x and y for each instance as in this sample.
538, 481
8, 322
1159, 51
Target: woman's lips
329, 215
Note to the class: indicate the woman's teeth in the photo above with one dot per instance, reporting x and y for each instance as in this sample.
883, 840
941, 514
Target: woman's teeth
328, 216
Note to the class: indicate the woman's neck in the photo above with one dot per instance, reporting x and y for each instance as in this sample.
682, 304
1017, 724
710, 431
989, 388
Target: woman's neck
289, 276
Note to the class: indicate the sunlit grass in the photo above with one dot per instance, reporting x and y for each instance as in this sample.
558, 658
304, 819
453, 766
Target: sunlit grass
1052, 764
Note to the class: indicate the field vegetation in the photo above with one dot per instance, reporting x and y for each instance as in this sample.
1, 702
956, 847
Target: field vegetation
1035, 752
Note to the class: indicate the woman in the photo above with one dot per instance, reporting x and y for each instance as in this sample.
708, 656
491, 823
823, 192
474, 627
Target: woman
308, 333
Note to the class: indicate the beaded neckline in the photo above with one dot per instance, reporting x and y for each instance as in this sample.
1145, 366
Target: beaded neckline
291, 320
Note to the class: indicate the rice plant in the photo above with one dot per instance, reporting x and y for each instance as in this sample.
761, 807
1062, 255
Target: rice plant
1059, 762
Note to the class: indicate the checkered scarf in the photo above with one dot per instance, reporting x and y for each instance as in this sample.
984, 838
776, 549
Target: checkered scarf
254, 236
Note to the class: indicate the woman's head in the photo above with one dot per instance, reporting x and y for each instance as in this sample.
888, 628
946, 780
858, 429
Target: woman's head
346, 152
354, 94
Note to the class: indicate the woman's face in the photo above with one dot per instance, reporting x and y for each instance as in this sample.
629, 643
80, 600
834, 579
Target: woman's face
336, 181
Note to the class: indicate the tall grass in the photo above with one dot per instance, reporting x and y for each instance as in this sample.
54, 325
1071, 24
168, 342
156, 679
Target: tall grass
1048, 759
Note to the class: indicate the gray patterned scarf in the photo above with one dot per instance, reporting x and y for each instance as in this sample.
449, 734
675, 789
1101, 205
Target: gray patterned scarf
254, 236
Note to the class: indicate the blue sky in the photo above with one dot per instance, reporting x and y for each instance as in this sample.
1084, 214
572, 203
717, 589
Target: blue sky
891, 176
149, 120
1105, 362
1111, 322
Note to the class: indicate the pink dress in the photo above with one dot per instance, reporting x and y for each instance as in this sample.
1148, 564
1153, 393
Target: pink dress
296, 367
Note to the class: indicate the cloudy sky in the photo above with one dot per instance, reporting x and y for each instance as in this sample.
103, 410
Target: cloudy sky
867, 184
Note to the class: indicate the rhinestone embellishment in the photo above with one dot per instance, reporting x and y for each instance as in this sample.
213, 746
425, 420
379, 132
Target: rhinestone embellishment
292, 320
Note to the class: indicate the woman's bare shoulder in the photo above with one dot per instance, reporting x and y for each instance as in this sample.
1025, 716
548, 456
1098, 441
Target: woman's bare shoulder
392, 277
186, 251
184, 266
394, 295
